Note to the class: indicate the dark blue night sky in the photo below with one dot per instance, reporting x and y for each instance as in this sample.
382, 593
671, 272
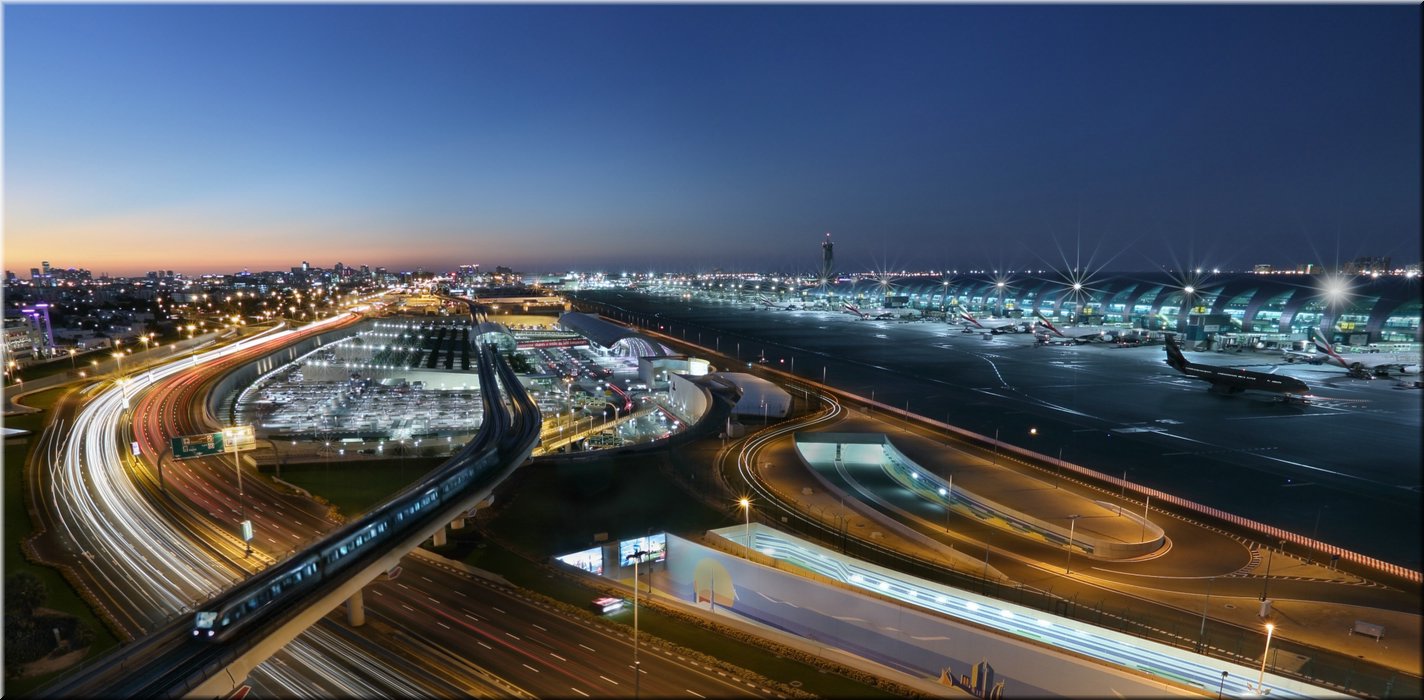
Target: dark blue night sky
656, 137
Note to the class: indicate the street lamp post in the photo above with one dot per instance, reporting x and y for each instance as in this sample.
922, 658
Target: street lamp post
1314, 533
241, 500
1072, 523
1261, 677
1146, 506
746, 505
1201, 636
1266, 581
637, 557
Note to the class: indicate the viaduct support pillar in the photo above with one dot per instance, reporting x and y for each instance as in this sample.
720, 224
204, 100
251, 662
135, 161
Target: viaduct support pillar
356, 610
440, 537
457, 523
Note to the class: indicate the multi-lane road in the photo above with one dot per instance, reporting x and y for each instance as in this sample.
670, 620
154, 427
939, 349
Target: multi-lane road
148, 555
142, 566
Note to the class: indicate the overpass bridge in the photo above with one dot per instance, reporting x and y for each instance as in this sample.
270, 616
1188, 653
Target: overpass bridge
211, 653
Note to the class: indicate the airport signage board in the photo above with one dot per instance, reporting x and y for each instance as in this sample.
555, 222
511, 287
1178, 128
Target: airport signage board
239, 438
190, 446
556, 343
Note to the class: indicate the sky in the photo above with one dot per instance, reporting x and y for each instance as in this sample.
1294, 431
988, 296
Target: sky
213, 138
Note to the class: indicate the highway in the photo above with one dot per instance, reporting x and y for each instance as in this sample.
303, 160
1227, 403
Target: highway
147, 570
535, 648
169, 409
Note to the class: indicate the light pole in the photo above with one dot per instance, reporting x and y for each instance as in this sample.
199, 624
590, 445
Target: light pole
123, 388
1201, 636
1072, 523
74, 366
1310, 552
746, 505
637, 557
241, 501
948, 494
1146, 506
1261, 678
1266, 582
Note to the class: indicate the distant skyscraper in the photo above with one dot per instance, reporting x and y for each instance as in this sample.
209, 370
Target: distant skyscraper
828, 258
306, 266
45, 264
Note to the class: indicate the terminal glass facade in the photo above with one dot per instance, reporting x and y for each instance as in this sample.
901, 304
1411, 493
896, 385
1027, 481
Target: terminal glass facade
1402, 324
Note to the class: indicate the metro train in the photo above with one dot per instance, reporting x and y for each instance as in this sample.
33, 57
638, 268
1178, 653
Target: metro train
238, 607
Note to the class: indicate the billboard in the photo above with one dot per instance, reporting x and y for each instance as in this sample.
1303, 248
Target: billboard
654, 545
590, 560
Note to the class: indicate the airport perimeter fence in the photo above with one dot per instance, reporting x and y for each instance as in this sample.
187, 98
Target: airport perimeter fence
1341, 672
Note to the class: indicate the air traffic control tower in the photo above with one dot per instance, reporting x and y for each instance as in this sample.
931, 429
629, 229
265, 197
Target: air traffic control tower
827, 259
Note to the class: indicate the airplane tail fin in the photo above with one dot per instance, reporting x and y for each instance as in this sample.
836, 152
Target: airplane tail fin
1175, 358
1042, 321
1320, 344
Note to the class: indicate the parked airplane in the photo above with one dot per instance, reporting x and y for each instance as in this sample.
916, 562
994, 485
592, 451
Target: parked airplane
1081, 334
1364, 365
853, 309
772, 304
1227, 380
993, 325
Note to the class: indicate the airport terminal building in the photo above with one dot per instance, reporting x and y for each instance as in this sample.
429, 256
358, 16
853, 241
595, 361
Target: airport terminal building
1366, 309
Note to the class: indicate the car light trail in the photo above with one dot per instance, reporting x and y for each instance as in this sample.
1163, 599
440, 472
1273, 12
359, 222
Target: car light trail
150, 569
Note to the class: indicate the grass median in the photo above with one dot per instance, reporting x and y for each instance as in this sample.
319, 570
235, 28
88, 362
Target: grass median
355, 485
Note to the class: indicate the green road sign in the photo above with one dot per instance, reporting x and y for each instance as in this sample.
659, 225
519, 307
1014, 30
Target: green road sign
189, 446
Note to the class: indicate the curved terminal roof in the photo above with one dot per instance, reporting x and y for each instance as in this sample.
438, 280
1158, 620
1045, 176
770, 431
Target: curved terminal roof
619, 340
1387, 307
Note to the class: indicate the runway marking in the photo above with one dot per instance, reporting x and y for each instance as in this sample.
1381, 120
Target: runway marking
1298, 415
531, 668
700, 695
484, 645
537, 627
496, 609
589, 648
442, 624
557, 656
610, 680
511, 634
476, 618
580, 692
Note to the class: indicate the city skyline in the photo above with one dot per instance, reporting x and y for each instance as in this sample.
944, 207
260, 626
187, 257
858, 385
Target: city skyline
210, 139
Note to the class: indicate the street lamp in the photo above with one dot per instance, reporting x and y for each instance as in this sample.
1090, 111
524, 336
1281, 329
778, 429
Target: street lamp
637, 557
746, 505
1261, 678
1072, 523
